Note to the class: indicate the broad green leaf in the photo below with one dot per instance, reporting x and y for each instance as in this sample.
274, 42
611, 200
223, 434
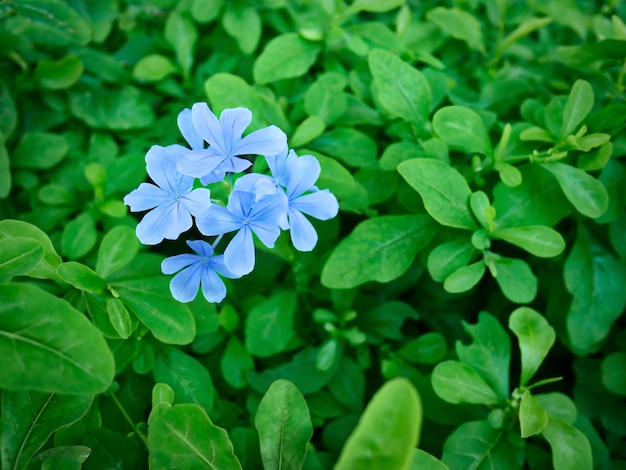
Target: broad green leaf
424, 461
388, 430
428, 348
444, 191
183, 436
79, 236
54, 348
117, 249
596, 278
153, 68
182, 35
516, 280
270, 324
399, 152
243, 24
235, 362
204, 11
62, 458
325, 98
284, 426
579, 104
350, 146
29, 418
535, 336
309, 129
119, 317
448, 257
81, 277
489, 354
456, 382
59, 74
570, 447
613, 377
285, 56
537, 240
532, 417
462, 129
587, 194
402, 90
39, 151
189, 379
169, 321
19, 256
559, 406
379, 249
465, 277
477, 445
460, 25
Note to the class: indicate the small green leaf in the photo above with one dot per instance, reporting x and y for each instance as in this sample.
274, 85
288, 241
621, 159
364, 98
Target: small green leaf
464, 278
117, 249
81, 277
523, 30
462, 129
448, 257
235, 362
350, 146
613, 377
516, 280
570, 447
59, 74
579, 104
153, 68
284, 426
484, 213
309, 129
243, 24
587, 194
424, 461
444, 190
376, 6
120, 318
379, 249
456, 382
182, 34
558, 406
509, 174
535, 336
39, 151
79, 237
19, 256
388, 430
205, 11
270, 324
428, 348
285, 56
325, 98
460, 25
537, 240
532, 417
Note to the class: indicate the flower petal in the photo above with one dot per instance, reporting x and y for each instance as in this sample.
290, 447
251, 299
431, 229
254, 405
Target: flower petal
277, 165
303, 234
267, 141
146, 196
217, 220
213, 287
233, 122
302, 173
217, 264
248, 182
199, 163
175, 263
187, 129
197, 201
233, 165
184, 286
201, 247
321, 204
166, 221
208, 126
266, 217
240, 203
161, 166
239, 254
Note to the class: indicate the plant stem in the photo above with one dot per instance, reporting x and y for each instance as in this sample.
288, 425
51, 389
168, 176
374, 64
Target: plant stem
130, 421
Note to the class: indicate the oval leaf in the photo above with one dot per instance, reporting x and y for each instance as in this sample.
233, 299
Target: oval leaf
81, 277
456, 383
462, 129
117, 249
537, 240
516, 280
285, 56
19, 256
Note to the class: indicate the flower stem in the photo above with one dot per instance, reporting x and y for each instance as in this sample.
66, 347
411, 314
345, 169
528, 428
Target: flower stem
216, 241
130, 421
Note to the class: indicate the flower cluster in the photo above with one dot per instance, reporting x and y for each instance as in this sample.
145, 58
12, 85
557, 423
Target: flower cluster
258, 205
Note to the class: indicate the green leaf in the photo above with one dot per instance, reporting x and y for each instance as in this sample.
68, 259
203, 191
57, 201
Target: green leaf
570, 447
54, 348
189, 379
153, 68
204, 11
482, 210
39, 151
460, 25
19, 256
81, 277
448, 257
348, 385
235, 362
183, 436
399, 152
119, 317
516, 280
379, 249
579, 104
8, 114
325, 98
376, 6
169, 321
587, 194
59, 74
284, 426
537, 240
388, 430
62, 458
350, 146
456, 382
79, 236
386, 319
5, 163
596, 278
523, 30
243, 24
424, 461
309, 129
402, 90
464, 278
29, 418
535, 336
462, 129
613, 378
270, 324
444, 191
428, 348
285, 56
559, 406
182, 35
117, 249
509, 174
532, 417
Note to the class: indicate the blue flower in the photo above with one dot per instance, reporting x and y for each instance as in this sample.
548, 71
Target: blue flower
259, 212
173, 200
197, 270
226, 142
